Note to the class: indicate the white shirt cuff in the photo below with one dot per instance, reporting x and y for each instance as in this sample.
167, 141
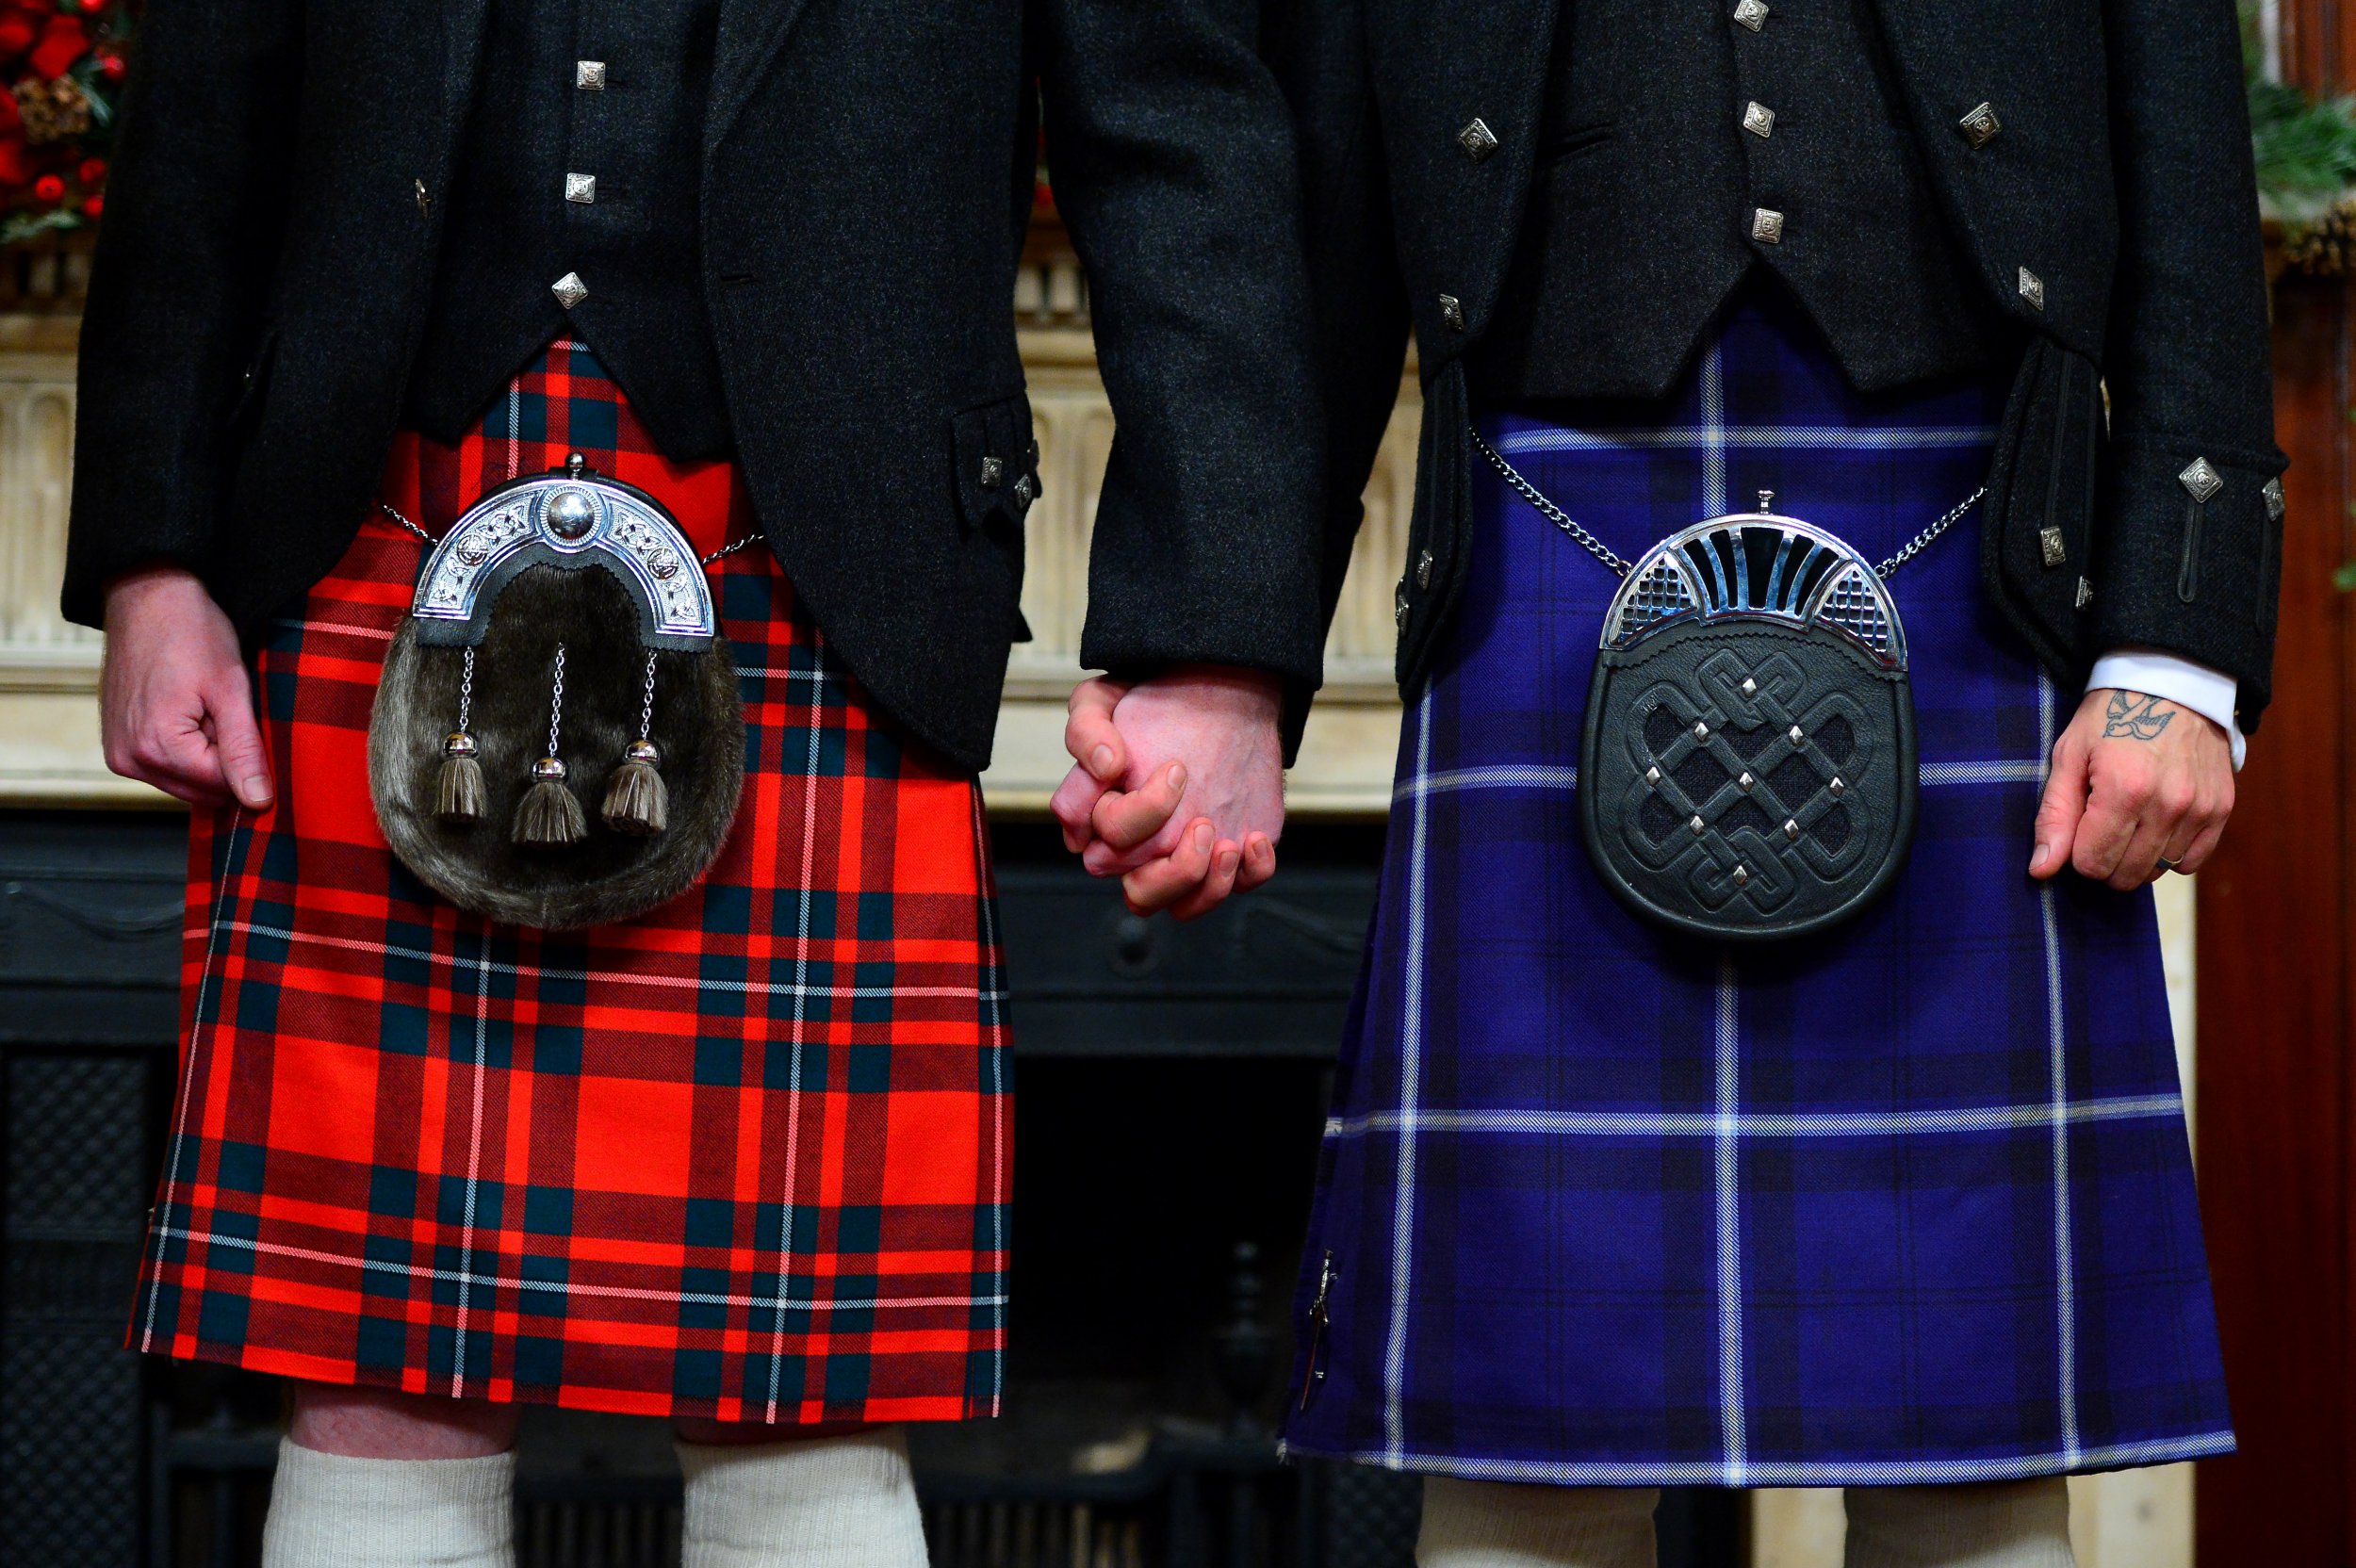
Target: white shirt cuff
2211, 694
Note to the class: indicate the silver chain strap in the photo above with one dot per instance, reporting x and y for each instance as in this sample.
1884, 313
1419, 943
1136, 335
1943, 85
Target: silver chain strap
646, 712
556, 701
1604, 552
1548, 510
716, 555
466, 691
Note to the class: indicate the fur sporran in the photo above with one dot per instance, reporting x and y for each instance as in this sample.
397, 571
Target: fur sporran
558, 740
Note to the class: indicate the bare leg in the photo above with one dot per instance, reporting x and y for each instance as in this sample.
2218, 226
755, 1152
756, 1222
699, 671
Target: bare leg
2004, 1524
1489, 1525
373, 1478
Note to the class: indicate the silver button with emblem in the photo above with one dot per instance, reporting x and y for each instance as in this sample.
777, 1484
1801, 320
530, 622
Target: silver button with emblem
2275, 504
2033, 289
1758, 120
1767, 225
2086, 593
1402, 607
1023, 492
1751, 14
1477, 140
589, 76
1980, 126
993, 471
2201, 481
570, 290
2052, 546
581, 188
1423, 569
1452, 312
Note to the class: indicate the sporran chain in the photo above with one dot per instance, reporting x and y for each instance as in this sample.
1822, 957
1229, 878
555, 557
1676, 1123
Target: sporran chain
721, 553
1604, 552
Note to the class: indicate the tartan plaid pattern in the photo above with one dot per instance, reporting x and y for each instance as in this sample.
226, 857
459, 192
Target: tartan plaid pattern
1911, 1201
743, 1157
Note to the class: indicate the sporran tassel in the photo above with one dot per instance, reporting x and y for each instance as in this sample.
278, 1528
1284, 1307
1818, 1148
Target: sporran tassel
458, 794
459, 799
637, 802
549, 816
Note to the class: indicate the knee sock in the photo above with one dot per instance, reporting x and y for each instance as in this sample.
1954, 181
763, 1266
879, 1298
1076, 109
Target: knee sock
829, 1502
328, 1511
2007, 1525
1488, 1525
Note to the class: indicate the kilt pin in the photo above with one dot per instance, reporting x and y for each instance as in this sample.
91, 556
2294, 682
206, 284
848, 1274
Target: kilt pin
1906, 1201
743, 1157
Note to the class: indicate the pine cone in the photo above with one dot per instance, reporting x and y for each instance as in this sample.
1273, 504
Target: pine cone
52, 112
2326, 247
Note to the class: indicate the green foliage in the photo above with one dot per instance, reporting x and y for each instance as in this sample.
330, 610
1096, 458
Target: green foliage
2305, 147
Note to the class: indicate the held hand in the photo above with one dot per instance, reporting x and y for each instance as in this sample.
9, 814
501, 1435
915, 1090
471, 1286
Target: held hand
2139, 787
1178, 787
175, 705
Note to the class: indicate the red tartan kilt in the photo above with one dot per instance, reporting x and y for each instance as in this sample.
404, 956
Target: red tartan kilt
743, 1157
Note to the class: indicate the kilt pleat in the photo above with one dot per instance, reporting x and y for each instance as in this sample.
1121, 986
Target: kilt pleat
1907, 1200
744, 1156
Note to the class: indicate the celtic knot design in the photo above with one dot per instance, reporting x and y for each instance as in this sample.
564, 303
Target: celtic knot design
1739, 779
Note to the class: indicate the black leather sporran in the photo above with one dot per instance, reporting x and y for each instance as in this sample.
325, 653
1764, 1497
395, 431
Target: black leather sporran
1747, 770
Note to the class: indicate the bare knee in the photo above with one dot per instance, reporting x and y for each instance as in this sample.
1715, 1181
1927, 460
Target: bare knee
381, 1423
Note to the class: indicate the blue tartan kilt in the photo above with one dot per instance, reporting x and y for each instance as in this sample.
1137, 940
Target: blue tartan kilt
1909, 1200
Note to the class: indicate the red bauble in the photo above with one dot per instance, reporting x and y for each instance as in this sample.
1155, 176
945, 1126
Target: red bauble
49, 189
16, 164
94, 206
93, 170
94, 6
17, 32
111, 67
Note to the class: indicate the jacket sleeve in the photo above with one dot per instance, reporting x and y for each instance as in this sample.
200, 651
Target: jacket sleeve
178, 284
1358, 300
1172, 161
2189, 557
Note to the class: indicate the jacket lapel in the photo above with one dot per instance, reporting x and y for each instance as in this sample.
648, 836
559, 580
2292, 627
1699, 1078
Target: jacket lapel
751, 32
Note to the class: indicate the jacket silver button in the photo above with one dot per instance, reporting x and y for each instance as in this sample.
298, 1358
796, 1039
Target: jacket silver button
581, 189
1423, 570
1767, 225
1452, 312
1477, 140
1752, 14
2275, 504
1402, 607
2201, 481
570, 290
2033, 289
1758, 120
993, 471
1980, 126
589, 76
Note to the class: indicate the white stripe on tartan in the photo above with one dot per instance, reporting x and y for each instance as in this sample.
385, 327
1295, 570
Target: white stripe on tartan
1767, 1124
669, 982
468, 1281
999, 1098
1758, 437
793, 1063
474, 1157
2115, 1456
1538, 775
1410, 1088
162, 1216
1711, 437
1730, 1072
2065, 1254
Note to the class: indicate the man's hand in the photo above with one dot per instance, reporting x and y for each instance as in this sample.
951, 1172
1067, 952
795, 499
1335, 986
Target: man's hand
2139, 787
175, 705
1177, 786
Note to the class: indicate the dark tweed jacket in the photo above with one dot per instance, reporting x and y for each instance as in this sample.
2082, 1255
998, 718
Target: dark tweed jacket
2114, 218
271, 247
